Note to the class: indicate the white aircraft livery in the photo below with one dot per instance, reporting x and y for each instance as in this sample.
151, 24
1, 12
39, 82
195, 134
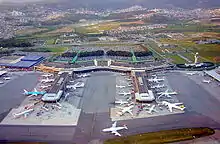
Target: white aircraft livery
173, 105
114, 129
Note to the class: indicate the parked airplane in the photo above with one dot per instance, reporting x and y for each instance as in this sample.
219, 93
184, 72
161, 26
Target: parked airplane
167, 93
151, 109
83, 75
173, 105
191, 73
77, 85
47, 80
128, 79
114, 129
7, 78
120, 86
25, 113
34, 93
121, 102
124, 93
45, 86
158, 86
125, 109
206, 81
47, 75
157, 80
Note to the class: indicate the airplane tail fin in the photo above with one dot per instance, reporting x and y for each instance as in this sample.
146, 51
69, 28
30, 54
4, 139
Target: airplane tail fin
25, 91
125, 127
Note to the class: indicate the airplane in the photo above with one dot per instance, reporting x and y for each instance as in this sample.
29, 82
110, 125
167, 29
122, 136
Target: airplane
157, 80
125, 109
47, 75
6, 78
83, 75
34, 93
25, 113
77, 85
151, 109
206, 81
173, 105
121, 102
128, 79
158, 86
47, 80
45, 86
114, 129
124, 93
1, 82
191, 73
167, 93
120, 86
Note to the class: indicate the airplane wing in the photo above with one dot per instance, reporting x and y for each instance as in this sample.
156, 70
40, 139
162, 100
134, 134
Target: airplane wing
116, 133
170, 108
130, 112
178, 103
114, 124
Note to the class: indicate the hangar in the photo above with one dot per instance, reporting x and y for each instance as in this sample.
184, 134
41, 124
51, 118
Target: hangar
25, 62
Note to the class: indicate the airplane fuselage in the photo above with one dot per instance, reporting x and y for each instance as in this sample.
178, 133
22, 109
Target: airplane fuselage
113, 129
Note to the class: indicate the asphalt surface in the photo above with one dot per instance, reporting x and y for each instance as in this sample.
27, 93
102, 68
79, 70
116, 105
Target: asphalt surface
11, 94
201, 111
99, 92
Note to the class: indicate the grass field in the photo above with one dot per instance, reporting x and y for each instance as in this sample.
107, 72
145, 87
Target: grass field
57, 49
167, 136
30, 31
50, 42
206, 51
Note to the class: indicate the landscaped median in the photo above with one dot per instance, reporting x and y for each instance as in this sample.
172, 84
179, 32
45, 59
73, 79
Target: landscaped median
166, 136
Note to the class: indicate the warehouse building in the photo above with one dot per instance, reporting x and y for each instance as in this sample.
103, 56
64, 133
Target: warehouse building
24, 62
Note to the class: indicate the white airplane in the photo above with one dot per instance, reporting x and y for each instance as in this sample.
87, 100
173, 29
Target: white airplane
157, 80
114, 129
83, 75
206, 81
158, 86
47, 80
125, 109
25, 113
191, 73
124, 93
121, 102
151, 109
77, 85
167, 93
173, 105
7, 78
47, 75
128, 79
120, 86
45, 86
